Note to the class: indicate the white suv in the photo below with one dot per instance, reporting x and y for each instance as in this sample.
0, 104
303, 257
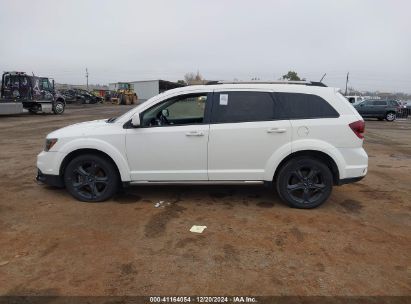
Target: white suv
302, 138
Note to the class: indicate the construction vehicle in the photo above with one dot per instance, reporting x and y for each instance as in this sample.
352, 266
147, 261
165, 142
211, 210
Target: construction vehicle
20, 92
124, 95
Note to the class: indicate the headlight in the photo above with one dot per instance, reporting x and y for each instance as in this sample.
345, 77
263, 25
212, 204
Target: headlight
50, 142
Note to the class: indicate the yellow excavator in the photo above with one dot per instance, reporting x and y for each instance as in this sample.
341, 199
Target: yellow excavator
124, 95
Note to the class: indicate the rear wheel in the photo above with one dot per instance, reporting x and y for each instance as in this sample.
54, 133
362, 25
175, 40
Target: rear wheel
390, 116
304, 182
91, 178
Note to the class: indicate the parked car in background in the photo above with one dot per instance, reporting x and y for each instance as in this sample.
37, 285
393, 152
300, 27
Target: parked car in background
80, 96
380, 109
355, 100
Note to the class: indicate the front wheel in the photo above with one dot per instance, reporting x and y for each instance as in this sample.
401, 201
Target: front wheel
304, 182
58, 107
91, 178
390, 116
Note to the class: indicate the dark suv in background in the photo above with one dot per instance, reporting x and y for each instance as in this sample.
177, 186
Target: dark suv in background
381, 109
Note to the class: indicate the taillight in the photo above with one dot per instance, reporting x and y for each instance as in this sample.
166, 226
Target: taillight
358, 127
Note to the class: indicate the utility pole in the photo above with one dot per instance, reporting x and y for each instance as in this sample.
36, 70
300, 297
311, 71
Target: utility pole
346, 83
87, 77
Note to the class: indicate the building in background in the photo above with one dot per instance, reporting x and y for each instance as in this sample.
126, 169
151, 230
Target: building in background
146, 89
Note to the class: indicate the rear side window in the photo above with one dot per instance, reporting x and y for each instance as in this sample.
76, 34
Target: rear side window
242, 106
380, 103
305, 106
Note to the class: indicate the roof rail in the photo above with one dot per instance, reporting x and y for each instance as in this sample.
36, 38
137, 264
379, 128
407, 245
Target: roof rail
300, 82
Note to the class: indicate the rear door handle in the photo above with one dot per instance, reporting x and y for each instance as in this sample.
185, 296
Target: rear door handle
276, 130
195, 133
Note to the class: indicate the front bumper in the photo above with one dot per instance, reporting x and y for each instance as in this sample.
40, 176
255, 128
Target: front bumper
48, 179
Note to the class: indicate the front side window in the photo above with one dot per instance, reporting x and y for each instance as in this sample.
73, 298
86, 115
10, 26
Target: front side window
242, 106
45, 85
181, 110
305, 106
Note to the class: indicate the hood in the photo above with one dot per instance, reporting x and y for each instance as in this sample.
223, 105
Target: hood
80, 129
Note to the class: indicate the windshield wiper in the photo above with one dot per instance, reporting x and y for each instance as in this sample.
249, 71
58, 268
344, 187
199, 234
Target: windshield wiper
112, 119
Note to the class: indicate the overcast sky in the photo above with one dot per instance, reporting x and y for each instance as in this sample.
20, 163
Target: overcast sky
136, 40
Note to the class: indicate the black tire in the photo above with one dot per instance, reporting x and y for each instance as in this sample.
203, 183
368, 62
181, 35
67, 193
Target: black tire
58, 107
122, 99
390, 116
304, 182
91, 178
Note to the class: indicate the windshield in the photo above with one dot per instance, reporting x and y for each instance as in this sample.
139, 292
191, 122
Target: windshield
124, 86
128, 113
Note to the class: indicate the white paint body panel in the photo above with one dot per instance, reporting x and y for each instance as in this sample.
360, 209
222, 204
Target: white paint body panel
241, 151
168, 153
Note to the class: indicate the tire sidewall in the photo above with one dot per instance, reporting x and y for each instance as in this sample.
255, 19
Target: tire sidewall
387, 115
55, 107
285, 173
104, 163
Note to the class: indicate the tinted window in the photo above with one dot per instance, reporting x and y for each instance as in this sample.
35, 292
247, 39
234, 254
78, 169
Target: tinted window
380, 103
242, 107
305, 106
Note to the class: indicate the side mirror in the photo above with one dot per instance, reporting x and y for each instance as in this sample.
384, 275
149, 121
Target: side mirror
135, 120
53, 84
165, 113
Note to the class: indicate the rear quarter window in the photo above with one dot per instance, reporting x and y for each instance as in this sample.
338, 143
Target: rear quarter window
305, 106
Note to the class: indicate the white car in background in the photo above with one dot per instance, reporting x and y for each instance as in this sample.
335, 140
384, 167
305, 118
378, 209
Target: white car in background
300, 137
355, 100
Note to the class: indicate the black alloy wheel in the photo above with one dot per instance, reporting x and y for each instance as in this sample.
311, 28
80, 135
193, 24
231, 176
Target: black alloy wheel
304, 183
91, 178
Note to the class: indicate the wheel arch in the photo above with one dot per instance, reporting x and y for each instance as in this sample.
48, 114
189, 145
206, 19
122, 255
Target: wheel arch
327, 159
78, 152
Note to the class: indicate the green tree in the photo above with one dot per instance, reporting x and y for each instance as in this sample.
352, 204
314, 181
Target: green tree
292, 76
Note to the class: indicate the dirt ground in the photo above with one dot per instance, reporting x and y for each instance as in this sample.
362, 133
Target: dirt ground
358, 243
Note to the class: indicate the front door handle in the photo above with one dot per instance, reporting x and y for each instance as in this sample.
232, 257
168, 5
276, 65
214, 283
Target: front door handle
276, 130
195, 133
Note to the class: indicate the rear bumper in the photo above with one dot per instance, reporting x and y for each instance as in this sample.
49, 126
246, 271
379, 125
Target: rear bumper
354, 163
48, 179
